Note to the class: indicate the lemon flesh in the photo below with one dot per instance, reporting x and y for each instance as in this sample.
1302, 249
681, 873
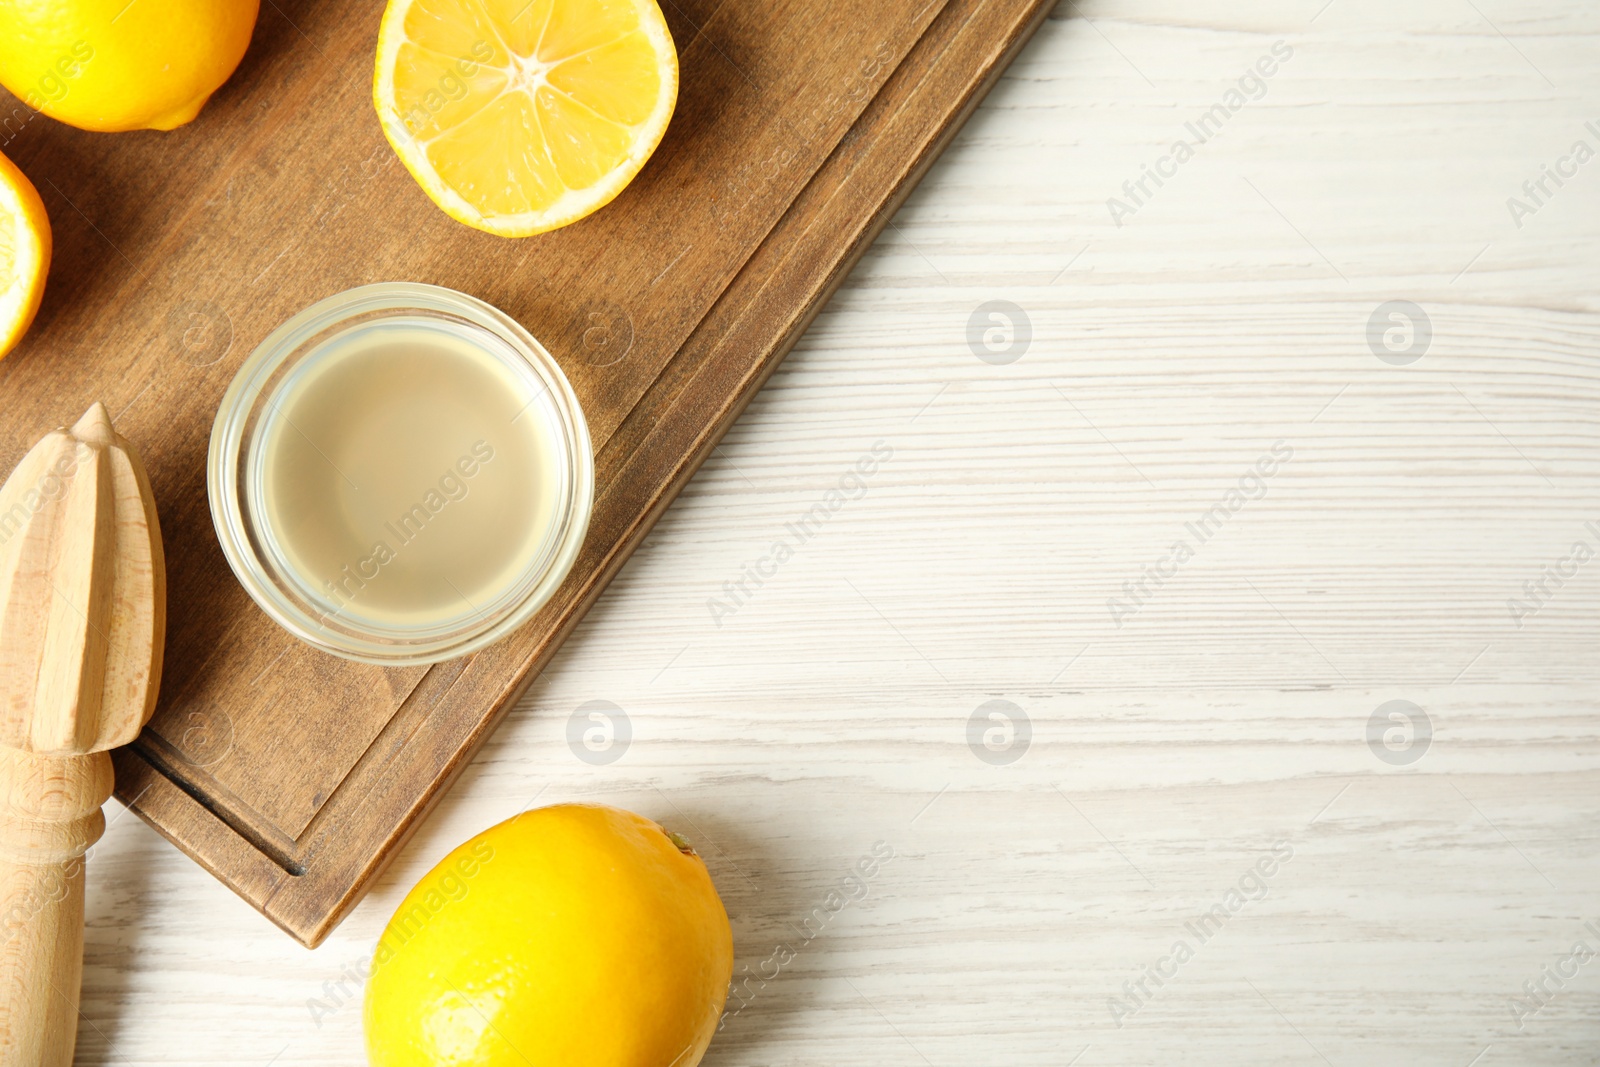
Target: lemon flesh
519, 116
24, 253
570, 936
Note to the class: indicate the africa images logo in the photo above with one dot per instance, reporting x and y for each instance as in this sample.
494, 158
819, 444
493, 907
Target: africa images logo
1251, 86
452, 487
1252, 485
1252, 886
851, 485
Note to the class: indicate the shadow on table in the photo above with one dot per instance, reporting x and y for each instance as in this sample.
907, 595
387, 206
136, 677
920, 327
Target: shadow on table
783, 909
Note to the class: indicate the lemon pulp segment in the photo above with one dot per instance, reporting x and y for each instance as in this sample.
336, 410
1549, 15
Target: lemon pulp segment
24, 253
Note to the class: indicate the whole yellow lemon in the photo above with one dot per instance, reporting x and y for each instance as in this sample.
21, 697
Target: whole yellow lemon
113, 65
570, 936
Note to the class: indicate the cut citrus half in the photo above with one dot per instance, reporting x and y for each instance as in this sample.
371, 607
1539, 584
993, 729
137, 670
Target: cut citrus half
24, 253
519, 116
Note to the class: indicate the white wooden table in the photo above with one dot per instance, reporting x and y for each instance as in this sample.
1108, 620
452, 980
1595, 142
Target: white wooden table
1211, 723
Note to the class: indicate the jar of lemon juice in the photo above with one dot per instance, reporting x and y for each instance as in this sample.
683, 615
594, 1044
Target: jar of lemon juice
400, 474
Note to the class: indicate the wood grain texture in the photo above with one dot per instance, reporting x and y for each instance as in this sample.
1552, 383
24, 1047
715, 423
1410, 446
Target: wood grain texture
1168, 756
49, 817
294, 776
82, 610
83, 594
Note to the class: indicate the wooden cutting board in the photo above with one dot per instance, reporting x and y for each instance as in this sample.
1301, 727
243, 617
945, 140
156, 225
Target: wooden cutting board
294, 776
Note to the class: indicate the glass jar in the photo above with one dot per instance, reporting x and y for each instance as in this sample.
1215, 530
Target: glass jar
400, 474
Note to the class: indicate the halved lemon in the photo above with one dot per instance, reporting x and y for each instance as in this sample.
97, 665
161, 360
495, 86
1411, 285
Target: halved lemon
24, 253
519, 116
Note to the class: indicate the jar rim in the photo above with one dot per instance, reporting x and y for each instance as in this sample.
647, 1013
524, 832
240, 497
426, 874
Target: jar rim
229, 475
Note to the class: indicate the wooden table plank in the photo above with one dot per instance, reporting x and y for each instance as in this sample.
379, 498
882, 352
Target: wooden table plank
1179, 747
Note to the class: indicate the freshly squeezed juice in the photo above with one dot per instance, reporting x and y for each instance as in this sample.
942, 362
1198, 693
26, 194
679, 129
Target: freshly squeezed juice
409, 475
